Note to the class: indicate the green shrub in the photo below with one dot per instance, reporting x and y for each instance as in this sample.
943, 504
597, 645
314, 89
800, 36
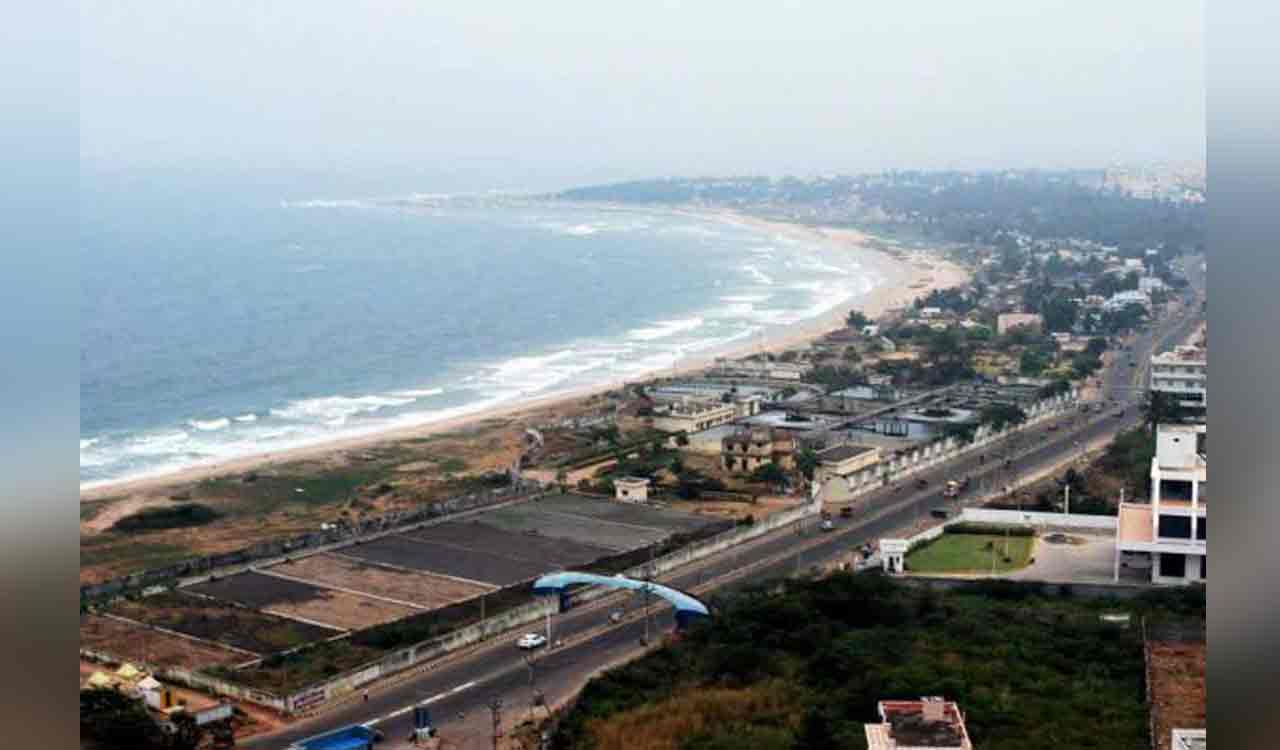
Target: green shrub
973, 527
175, 517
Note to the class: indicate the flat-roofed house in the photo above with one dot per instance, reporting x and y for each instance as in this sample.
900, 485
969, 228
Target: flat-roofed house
1169, 534
844, 460
927, 724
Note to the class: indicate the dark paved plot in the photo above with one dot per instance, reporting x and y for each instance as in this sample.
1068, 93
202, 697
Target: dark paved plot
473, 565
257, 590
545, 519
638, 515
551, 553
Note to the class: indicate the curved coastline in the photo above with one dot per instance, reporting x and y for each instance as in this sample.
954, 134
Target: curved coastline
900, 280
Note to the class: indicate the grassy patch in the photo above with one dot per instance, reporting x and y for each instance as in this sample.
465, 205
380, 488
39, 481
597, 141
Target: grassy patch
452, 465
106, 549
268, 494
961, 553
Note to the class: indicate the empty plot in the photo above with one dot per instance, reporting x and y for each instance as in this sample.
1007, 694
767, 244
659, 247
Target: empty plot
637, 515
612, 535
217, 621
449, 560
131, 642
424, 589
549, 552
304, 601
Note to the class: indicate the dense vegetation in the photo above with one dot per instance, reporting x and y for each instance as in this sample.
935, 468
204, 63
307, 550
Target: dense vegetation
110, 719
966, 207
804, 668
173, 517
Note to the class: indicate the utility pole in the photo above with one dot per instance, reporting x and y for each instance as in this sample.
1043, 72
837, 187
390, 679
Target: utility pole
495, 708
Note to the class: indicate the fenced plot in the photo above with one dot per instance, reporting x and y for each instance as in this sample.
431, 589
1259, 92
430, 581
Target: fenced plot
476, 566
615, 536
304, 601
549, 552
672, 521
221, 622
424, 589
132, 642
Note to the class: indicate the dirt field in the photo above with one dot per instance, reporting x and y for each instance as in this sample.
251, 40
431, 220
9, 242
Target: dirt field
1177, 688
280, 596
223, 623
723, 509
136, 643
424, 589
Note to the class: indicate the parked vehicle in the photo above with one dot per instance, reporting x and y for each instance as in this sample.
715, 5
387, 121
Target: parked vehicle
942, 513
846, 512
922, 482
952, 490
827, 525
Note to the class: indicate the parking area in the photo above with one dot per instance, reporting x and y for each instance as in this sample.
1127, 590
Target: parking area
1071, 557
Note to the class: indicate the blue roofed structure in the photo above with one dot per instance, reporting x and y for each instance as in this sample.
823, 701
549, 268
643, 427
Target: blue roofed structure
688, 609
348, 738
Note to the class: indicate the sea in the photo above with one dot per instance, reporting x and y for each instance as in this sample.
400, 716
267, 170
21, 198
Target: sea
227, 317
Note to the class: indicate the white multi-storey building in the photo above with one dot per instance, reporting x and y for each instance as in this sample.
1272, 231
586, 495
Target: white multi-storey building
1169, 534
1184, 374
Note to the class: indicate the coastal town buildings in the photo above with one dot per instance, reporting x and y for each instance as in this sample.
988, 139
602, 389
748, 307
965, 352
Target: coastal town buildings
1121, 300
764, 369
931, 723
844, 460
691, 416
1183, 374
746, 450
1169, 534
1006, 322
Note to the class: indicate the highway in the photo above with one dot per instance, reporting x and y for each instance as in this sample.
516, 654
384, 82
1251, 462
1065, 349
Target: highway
460, 688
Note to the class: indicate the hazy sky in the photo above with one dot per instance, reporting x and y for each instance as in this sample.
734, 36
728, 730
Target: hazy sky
562, 92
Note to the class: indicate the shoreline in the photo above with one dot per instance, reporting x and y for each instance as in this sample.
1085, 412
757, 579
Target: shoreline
902, 280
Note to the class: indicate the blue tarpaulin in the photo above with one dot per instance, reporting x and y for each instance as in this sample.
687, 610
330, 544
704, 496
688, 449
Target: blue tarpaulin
348, 738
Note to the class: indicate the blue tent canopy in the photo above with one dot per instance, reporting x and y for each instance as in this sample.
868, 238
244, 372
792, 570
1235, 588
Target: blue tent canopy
687, 608
348, 738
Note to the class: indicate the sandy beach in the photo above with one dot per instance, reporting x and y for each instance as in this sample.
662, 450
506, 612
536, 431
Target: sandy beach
904, 279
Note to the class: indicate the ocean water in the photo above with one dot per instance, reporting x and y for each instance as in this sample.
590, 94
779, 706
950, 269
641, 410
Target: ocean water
222, 319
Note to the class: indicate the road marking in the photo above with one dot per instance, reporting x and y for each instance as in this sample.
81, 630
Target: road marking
427, 702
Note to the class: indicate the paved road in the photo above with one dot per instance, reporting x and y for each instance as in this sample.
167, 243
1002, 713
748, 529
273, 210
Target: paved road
460, 689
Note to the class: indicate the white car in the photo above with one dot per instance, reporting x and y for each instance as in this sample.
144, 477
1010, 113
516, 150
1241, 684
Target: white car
531, 641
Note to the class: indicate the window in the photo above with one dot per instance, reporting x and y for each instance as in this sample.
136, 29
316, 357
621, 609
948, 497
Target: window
1175, 527
1173, 566
1204, 566
1201, 528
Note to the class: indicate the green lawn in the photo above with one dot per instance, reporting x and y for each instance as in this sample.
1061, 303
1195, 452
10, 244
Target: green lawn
960, 553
